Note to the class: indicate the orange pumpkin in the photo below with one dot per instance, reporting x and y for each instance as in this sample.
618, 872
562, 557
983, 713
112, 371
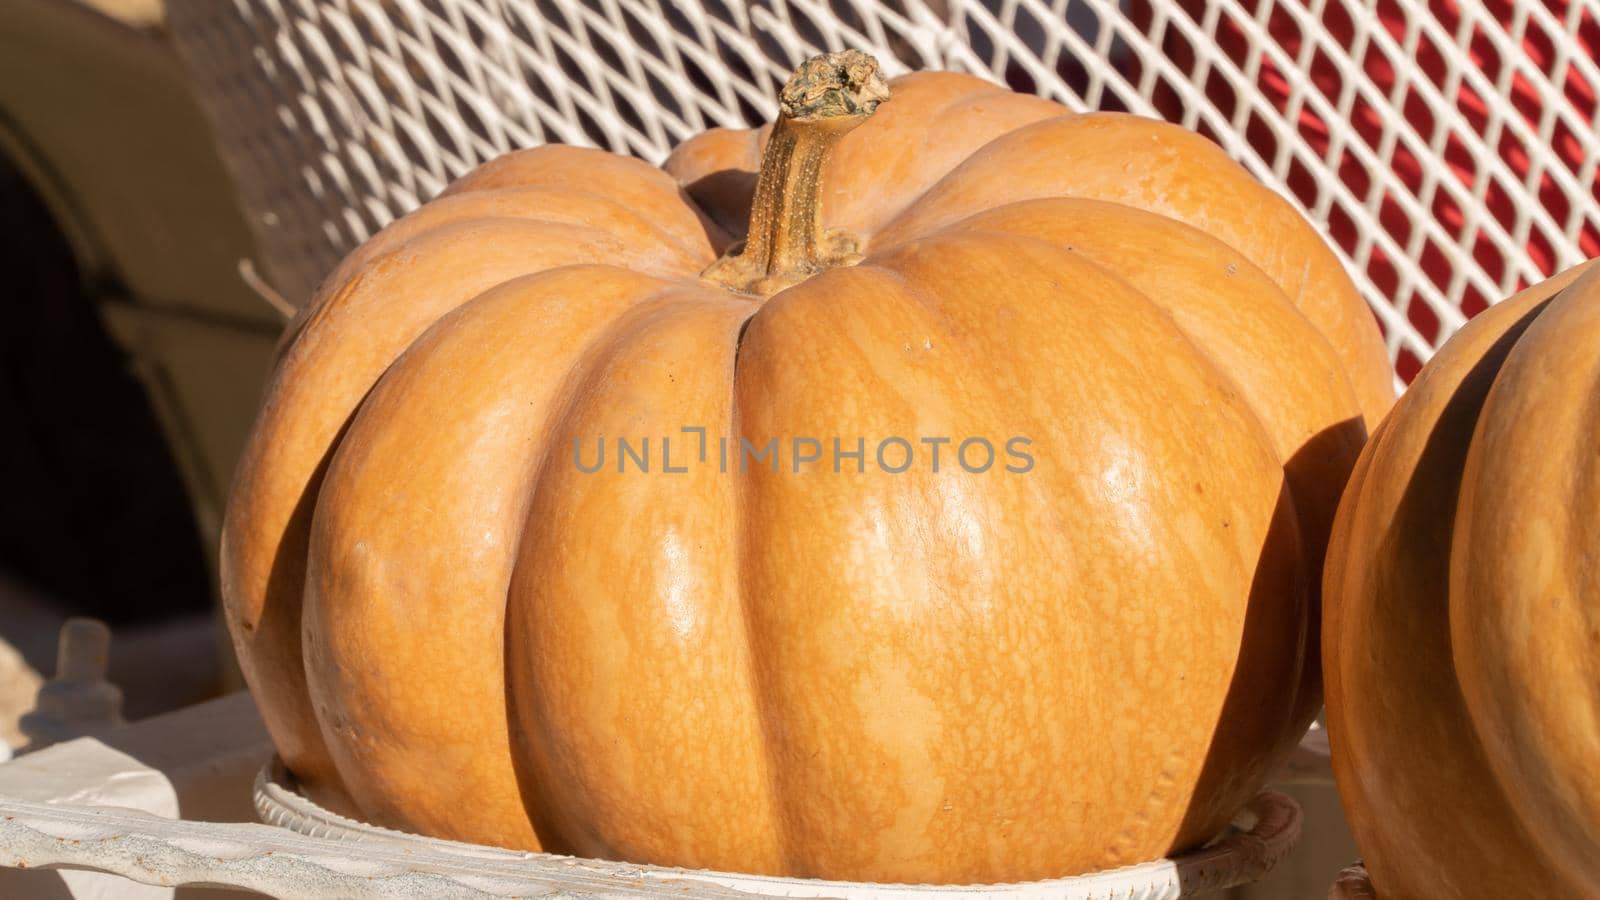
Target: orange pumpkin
1460, 617
452, 627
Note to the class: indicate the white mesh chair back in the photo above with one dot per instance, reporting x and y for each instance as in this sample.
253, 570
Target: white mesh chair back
1448, 150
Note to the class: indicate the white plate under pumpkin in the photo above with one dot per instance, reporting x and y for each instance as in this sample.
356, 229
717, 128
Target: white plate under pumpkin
1263, 833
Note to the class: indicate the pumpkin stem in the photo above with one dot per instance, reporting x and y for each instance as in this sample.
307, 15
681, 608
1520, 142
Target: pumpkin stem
823, 100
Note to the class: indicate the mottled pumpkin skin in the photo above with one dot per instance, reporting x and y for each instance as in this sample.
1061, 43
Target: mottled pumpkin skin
897, 677
1461, 615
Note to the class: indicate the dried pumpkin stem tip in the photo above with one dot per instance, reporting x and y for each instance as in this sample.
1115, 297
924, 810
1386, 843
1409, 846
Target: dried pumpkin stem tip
823, 100
846, 83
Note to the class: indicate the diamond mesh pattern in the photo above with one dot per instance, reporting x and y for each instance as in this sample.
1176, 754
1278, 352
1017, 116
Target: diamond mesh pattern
1449, 151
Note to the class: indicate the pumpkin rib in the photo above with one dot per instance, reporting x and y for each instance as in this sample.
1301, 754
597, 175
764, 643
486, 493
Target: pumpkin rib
565, 164
633, 182
367, 659
534, 785
1127, 844
784, 364
638, 792
1046, 516
337, 282
765, 385
1317, 434
1184, 238
507, 202
712, 151
1308, 699
1399, 725
716, 170
768, 731
1167, 170
1519, 622
947, 133
946, 128
976, 226
1111, 273
656, 261
316, 388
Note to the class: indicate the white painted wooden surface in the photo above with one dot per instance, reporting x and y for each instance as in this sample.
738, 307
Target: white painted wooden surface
113, 803
191, 763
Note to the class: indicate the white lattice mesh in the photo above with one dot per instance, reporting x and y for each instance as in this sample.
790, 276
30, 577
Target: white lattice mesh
1449, 151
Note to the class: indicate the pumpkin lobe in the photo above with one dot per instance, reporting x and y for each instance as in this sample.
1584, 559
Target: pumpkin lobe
825, 99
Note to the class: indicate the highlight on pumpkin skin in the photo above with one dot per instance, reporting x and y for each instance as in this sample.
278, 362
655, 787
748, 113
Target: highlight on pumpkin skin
826, 97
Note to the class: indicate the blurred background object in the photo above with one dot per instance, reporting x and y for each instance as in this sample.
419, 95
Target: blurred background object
19, 684
133, 354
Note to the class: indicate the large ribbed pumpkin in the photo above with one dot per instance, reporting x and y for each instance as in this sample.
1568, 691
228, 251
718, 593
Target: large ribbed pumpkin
1462, 640
936, 674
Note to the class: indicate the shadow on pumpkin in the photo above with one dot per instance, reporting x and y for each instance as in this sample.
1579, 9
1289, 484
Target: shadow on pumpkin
1433, 747
276, 643
725, 199
1321, 468
1257, 712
